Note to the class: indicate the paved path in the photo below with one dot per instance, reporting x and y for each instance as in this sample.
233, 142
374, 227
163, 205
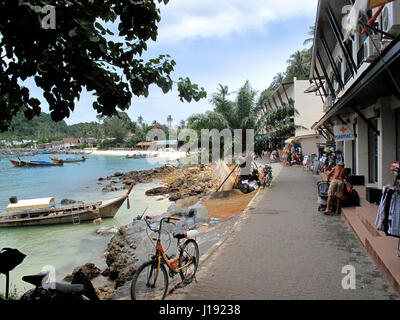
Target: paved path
284, 249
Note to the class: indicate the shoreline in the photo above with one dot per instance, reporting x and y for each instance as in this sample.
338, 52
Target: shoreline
125, 250
170, 155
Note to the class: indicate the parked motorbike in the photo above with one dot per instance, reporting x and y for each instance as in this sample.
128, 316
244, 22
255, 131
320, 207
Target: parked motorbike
80, 288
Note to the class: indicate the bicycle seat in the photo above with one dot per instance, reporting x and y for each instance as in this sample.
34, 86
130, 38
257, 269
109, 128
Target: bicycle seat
35, 279
69, 288
179, 234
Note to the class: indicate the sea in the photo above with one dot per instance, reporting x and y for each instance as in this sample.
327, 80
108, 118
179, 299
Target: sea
66, 246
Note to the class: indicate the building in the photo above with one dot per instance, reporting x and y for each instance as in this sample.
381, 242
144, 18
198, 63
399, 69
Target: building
308, 105
359, 80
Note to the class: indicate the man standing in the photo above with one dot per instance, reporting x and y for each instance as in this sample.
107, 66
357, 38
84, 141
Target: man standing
337, 185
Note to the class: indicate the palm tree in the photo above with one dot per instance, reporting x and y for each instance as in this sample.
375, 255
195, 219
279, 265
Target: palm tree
311, 33
140, 120
298, 65
169, 120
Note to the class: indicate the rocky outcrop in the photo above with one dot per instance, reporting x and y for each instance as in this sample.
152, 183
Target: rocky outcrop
181, 183
89, 269
70, 201
198, 180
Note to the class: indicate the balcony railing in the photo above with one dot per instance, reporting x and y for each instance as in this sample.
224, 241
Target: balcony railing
347, 75
360, 56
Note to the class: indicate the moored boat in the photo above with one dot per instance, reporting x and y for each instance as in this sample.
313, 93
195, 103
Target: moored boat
55, 159
38, 212
34, 163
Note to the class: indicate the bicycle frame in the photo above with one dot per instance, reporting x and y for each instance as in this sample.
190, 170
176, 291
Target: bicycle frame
160, 255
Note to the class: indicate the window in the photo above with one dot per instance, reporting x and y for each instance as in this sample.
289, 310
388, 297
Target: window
398, 134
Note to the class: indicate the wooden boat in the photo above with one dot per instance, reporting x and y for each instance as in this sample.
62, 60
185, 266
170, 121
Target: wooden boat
68, 160
20, 163
40, 212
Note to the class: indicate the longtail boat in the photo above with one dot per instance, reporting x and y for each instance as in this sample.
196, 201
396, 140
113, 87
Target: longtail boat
39, 212
68, 160
36, 163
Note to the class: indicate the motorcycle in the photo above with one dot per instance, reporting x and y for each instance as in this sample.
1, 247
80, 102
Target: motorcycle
80, 288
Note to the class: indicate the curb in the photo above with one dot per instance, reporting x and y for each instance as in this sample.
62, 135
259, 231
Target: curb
243, 216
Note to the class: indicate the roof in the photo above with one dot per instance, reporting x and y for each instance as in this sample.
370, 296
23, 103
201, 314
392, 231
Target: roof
145, 144
31, 204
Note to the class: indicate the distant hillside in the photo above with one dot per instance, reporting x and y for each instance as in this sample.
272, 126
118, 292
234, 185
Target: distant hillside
43, 129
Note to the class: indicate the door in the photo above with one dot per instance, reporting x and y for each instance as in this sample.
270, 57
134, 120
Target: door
398, 135
354, 152
373, 152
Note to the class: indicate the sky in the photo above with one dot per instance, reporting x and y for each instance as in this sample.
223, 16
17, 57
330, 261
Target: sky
216, 42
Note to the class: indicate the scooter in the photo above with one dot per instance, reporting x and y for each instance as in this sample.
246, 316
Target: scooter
80, 288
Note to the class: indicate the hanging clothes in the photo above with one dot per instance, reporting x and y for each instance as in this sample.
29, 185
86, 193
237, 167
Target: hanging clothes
380, 217
388, 216
394, 215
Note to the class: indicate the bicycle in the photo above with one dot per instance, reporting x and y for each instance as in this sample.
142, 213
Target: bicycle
150, 281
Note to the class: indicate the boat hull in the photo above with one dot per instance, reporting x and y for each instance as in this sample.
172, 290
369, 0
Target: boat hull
105, 209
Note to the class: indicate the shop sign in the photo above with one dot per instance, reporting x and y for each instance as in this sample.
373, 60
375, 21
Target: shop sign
344, 132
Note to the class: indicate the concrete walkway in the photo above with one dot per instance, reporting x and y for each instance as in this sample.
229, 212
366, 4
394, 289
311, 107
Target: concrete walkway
283, 248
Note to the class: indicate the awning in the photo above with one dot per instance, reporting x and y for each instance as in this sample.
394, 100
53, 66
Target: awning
31, 204
373, 84
290, 140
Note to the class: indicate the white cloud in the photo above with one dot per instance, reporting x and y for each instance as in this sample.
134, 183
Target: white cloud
185, 19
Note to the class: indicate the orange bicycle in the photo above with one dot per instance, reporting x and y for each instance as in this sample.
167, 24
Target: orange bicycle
150, 281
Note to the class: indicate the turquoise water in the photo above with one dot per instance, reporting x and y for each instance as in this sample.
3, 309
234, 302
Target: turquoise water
68, 246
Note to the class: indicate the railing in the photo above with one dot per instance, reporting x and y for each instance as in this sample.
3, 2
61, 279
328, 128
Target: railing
347, 75
360, 56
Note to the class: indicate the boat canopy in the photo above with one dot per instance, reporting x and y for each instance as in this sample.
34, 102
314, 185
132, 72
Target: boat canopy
31, 204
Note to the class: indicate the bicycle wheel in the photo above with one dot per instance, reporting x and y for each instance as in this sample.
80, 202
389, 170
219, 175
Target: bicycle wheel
190, 256
146, 285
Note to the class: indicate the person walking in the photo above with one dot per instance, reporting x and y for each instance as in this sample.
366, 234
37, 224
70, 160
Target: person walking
336, 187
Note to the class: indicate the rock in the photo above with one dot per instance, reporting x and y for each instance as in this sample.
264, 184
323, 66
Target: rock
100, 179
157, 191
89, 269
118, 174
104, 293
107, 230
70, 201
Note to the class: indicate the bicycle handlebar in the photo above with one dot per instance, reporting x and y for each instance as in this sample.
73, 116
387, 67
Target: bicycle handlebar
167, 220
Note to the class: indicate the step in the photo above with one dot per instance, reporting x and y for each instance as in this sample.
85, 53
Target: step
355, 223
383, 251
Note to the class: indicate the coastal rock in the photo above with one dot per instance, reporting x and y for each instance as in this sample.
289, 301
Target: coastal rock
70, 201
107, 230
157, 191
118, 174
89, 269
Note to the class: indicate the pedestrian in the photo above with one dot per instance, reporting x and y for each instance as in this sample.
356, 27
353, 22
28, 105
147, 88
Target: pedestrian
336, 187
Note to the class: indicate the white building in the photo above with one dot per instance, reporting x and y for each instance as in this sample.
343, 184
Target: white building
309, 110
360, 87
